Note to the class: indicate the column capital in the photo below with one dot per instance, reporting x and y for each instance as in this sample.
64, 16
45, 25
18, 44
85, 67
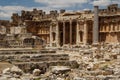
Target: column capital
70, 20
63, 23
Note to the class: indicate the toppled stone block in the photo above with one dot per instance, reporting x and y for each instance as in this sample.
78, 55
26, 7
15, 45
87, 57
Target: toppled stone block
60, 79
108, 72
6, 71
60, 69
36, 72
16, 70
78, 78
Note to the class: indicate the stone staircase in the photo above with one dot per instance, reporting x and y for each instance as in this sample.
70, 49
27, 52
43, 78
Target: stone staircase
28, 60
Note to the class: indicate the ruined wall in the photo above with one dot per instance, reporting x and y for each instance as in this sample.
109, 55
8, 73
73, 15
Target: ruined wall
109, 26
4, 23
40, 29
38, 23
4, 26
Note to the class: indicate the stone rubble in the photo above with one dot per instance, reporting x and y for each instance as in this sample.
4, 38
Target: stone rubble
101, 62
36, 72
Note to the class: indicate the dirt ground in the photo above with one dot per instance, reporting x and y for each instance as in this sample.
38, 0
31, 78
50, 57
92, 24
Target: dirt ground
4, 65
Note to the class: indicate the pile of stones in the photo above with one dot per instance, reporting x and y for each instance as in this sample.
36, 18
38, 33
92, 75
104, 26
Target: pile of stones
101, 62
92, 62
13, 73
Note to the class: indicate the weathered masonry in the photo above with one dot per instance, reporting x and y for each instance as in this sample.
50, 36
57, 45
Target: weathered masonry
40, 29
87, 27
70, 30
109, 24
73, 28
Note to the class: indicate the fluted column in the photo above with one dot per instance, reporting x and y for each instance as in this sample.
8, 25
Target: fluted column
70, 31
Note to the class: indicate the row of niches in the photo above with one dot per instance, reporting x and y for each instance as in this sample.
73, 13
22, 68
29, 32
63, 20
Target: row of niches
44, 31
110, 28
88, 25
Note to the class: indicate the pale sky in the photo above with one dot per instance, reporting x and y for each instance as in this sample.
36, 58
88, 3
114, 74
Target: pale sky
7, 7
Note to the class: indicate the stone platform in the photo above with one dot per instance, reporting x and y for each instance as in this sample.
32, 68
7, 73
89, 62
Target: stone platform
30, 59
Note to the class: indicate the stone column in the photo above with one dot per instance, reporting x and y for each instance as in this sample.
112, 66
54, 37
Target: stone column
95, 26
85, 33
57, 34
118, 26
70, 32
63, 33
111, 28
77, 34
51, 37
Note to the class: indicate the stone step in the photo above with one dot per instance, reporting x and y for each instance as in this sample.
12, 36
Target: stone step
33, 55
39, 60
43, 57
27, 52
30, 66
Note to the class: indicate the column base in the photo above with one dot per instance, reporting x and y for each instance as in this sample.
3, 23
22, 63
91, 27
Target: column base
79, 43
95, 44
58, 46
50, 45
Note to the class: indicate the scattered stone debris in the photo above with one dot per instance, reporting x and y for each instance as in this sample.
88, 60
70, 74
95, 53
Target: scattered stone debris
101, 62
